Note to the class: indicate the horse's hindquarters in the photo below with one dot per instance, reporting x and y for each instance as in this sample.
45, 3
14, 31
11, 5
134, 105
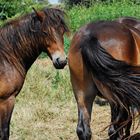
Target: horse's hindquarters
84, 90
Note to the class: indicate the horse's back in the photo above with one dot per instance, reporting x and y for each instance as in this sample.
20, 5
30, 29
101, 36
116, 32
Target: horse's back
130, 21
113, 36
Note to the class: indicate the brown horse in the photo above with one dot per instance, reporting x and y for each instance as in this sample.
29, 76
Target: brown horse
103, 60
21, 42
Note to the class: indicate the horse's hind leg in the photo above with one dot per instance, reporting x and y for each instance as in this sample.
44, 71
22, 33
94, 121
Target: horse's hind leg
84, 97
113, 129
120, 127
6, 108
85, 93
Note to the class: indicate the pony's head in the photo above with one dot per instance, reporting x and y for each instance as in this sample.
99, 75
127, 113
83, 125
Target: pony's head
50, 26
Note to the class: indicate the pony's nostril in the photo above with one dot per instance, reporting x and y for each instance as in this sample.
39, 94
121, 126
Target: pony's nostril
57, 60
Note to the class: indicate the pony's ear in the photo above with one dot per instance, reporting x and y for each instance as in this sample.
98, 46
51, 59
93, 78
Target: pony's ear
36, 21
38, 14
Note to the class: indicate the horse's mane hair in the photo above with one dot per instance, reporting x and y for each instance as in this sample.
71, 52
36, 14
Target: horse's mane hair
54, 18
17, 34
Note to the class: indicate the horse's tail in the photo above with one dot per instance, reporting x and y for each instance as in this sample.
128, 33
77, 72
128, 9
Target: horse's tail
122, 79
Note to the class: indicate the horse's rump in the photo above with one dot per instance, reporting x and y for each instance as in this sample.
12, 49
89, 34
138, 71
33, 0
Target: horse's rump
121, 78
131, 21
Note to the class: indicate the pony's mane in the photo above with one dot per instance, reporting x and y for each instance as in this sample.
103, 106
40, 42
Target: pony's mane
55, 18
14, 21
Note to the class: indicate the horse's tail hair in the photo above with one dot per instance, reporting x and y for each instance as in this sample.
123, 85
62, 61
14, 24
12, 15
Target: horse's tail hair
122, 79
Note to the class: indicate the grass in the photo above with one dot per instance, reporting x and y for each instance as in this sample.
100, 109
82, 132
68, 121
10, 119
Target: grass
101, 11
46, 109
39, 113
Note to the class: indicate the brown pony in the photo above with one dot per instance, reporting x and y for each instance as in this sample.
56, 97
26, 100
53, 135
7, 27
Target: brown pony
21, 42
103, 60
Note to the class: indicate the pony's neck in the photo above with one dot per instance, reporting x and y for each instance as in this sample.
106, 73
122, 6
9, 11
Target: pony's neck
23, 43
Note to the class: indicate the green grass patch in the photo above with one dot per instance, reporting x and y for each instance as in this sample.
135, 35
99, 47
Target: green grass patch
80, 15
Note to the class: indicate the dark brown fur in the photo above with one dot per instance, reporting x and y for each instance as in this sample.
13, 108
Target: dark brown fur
104, 59
131, 21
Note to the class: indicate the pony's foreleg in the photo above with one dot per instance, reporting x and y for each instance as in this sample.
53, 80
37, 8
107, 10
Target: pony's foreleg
121, 123
6, 108
85, 93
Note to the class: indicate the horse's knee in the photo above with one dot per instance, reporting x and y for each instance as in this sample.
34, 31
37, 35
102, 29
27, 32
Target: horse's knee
112, 133
83, 132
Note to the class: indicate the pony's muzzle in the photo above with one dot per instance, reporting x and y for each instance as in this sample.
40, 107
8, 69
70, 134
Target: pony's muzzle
60, 63
59, 60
